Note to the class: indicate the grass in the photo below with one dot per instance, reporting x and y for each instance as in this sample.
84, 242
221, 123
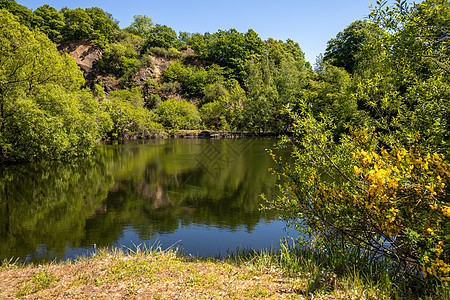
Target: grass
38, 281
341, 271
294, 272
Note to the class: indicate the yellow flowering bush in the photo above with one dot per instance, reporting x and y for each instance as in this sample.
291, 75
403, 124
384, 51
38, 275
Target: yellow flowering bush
390, 199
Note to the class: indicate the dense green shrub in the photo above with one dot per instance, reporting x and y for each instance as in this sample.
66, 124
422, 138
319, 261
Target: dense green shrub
152, 101
214, 115
166, 53
122, 57
193, 80
169, 87
130, 119
178, 114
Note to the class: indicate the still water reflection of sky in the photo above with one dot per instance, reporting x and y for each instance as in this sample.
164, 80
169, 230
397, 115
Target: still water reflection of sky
194, 239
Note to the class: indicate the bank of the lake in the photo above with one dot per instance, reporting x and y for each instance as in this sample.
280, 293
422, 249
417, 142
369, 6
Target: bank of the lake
220, 134
164, 275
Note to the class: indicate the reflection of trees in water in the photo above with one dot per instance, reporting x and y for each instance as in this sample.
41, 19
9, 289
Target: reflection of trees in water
48, 203
153, 187
176, 186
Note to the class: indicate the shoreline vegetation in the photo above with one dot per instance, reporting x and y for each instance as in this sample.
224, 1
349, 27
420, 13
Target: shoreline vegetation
290, 273
219, 134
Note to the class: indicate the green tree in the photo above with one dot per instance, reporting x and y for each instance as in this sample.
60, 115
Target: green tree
289, 50
410, 93
92, 24
43, 112
254, 45
344, 50
161, 36
129, 117
214, 115
24, 14
294, 49
232, 49
193, 80
199, 43
49, 21
219, 108
329, 93
103, 24
122, 56
142, 26
384, 187
262, 95
273, 85
78, 25
185, 39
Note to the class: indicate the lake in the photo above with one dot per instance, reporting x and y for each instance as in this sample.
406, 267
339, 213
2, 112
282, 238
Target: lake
200, 195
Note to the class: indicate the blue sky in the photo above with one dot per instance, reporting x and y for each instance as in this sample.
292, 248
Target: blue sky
311, 23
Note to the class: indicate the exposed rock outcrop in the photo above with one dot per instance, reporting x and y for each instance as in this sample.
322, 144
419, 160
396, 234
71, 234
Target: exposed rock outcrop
84, 53
154, 72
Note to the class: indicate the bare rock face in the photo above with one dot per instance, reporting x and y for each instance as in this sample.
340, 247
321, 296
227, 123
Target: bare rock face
159, 64
83, 52
153, 72
143, 75
109, 83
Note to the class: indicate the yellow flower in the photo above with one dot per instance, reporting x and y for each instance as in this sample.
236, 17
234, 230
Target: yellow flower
390, 218
357, 170
446, 211
436, 156
394, 211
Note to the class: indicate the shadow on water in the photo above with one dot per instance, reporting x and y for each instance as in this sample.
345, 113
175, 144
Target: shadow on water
202, 195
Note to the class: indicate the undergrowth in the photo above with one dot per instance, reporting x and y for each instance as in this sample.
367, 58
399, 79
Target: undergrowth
336, 268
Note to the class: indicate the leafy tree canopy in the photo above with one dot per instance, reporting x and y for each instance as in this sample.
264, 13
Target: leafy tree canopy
142, 26
23, 13
49, 21
344, 50
384, 186
178, 114
161, 36
43, 111
93, 24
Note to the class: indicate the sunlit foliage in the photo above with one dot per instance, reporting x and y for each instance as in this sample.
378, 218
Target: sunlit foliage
383, 185
43, 111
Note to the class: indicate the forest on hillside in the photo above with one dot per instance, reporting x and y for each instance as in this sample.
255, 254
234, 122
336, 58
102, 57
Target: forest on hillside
227, 80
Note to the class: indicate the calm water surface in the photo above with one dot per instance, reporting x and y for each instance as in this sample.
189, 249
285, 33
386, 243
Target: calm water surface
200, 195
